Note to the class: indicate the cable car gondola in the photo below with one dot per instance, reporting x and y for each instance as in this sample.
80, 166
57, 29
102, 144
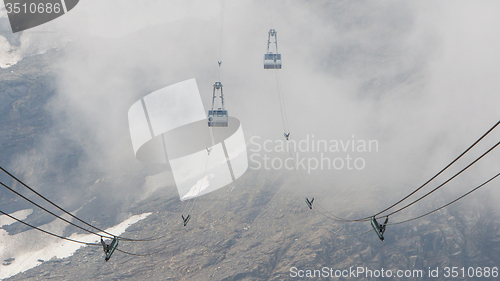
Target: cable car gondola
272, 60
217, 117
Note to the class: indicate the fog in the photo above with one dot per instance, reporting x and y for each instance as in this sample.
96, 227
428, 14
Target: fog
420, 78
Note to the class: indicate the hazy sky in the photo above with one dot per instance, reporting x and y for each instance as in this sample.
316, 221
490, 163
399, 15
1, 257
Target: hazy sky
420, 78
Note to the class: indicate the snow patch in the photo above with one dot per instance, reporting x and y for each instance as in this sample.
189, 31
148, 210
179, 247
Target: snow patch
28, 247
23, 214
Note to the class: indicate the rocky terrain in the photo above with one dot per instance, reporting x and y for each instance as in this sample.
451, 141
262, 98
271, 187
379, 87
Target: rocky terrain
256, 230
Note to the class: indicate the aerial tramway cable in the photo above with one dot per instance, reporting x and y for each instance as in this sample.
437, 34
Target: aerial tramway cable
446, 205
439, 186
218, 117
334, 217
71, 215
284, 117
447, 166
272, 60
77, 226
142, 255
58, 217
48, 232
213, 114
76, 241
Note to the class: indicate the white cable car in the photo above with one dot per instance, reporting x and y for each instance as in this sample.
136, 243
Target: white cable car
272, 60
217, 117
